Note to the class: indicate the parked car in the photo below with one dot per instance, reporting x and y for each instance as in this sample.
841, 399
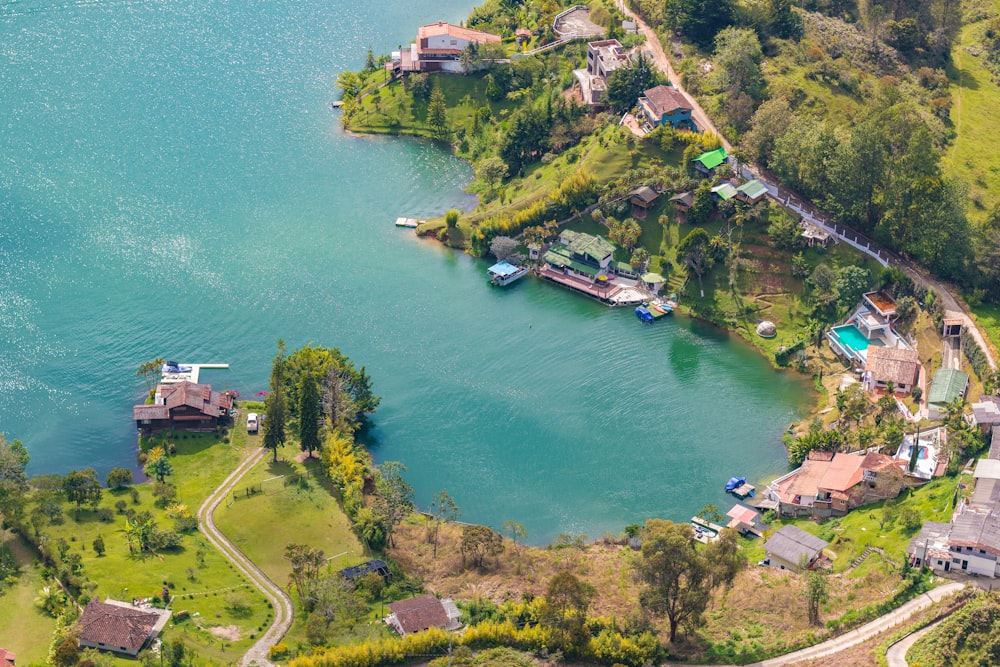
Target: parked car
253, 422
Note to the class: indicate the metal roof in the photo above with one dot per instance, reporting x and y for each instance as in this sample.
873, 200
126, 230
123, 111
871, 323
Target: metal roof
948, 384
791, 542
712, 159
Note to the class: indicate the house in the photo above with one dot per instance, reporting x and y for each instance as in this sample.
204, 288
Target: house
183, 406
792, 546
898, 365
706, 163
375, 565
971, 542
580, 254
423, 612
119, 627
603, 58
665, 105
624, 269
994, 445
439, 47
745, 520
643, 197
870, 326
683, 201
7, 658
831, 484
931, 459
948, 385
986, 413
751, 192
724, 191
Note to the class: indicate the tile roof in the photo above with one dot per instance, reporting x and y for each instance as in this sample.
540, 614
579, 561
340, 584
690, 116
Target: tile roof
666, 99
116, 625
898, 365
172, 396
458, 32
419, 613
7, 658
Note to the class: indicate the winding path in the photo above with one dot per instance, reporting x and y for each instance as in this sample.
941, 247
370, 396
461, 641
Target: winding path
896, 655
280, 601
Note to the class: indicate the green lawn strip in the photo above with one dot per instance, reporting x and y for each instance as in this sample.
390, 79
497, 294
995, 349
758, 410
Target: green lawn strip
973, 115
24, 629
291, 508
987, 316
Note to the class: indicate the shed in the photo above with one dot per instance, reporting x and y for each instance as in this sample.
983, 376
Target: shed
643, 196
683, 200
724, 191
948, 384
790, 546
708, 161
813, 234
751, 192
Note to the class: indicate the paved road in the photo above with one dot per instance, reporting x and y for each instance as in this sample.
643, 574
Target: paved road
282, 604
896, 655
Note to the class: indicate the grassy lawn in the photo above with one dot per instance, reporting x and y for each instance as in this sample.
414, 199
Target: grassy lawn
296, 505
973, 115
988, 318
24, 629
201, 580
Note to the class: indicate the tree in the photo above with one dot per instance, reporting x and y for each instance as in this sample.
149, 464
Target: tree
567, 600
371, 528
478, 542
82, 486
309, 414
710, 512
516, 532
66, 653
437, 114
824, 285
159, 469
626, 84
679, 578
852, 282
624, 233
350, 83
451, 218
274, 406
816, 594
13, 478
306, 563
443, 509
119, 478
737, 57
370, 60
99, 545
698, 20
395, 495
639, 258
769, 122
692, 251
150, 371
527, 137
491, 171
702, 207
503, 247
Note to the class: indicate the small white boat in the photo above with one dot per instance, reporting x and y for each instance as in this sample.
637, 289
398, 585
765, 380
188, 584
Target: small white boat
504, 273
408, 222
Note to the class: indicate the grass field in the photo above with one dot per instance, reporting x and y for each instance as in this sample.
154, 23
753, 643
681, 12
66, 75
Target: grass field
974, 116
201, 580
988, 318
24, 629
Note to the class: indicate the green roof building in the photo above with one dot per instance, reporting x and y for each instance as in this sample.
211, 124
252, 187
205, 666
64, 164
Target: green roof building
948, 385
751, 191
724, 192
580, 253
706, 162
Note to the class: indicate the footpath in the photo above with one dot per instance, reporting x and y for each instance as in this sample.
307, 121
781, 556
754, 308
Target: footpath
280, 601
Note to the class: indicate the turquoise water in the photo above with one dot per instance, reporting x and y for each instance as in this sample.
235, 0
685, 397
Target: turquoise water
173, 183
852, 338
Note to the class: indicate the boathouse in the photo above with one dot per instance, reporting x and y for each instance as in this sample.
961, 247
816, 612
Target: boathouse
184, 406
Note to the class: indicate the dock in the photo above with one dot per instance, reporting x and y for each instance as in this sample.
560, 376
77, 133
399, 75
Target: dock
186, 372
412, 223
744, 490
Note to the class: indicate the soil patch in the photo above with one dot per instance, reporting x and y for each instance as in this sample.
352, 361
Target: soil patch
227, 632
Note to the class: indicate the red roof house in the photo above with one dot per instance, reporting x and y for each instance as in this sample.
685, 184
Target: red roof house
6, 658
183, 406
118, 626
422, 612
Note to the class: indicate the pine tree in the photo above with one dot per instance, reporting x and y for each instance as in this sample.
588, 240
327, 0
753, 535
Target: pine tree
309, 414
437, 114
274, 424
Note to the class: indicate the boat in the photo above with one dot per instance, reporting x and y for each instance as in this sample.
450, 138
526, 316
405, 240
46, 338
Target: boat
650, 312
408, 222
504, 273
738, 485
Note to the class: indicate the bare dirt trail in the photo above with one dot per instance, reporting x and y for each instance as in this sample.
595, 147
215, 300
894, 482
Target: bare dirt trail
280, 601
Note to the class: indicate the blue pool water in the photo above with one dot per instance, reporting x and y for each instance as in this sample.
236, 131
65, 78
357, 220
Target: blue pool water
851, 337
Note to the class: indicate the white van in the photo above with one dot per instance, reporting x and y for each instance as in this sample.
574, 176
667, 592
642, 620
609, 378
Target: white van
253, 423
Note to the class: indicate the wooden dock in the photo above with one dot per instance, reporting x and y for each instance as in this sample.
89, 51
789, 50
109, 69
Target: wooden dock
189, 375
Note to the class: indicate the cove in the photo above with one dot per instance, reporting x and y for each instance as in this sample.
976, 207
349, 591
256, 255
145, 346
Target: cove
173, 183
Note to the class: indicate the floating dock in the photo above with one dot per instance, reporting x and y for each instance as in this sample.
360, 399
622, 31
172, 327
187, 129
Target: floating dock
174, 373
650, 312
412, 223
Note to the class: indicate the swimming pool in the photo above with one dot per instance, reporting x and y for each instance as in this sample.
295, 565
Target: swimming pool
851, 338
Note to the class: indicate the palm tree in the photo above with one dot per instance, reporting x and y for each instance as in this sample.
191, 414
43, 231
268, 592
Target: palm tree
149, 370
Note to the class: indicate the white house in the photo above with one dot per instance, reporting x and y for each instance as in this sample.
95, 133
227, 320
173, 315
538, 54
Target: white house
439, 47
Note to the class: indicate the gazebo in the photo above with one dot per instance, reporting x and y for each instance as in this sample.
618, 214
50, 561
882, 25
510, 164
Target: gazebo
653, 281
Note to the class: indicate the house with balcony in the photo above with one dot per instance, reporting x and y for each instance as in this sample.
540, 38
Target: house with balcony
831, 484
183, 406
581, 255
665, 105
438, 48
869, 326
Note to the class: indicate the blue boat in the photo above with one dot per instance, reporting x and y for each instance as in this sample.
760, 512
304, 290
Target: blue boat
504, 273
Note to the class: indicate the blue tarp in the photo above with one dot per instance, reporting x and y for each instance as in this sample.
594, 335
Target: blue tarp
643, 314
735, 483
503, 269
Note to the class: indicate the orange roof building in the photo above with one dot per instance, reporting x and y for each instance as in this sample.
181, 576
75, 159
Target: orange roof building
439, 46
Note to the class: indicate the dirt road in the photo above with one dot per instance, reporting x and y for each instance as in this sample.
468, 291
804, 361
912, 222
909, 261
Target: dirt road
282, 604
